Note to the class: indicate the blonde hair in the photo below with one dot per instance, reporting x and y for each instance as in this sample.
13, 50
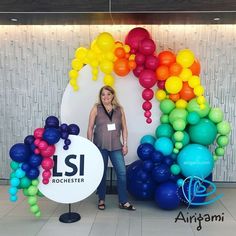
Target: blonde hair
112, 91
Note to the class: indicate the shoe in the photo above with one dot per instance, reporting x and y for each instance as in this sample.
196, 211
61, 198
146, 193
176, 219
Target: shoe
101, 206
127, 206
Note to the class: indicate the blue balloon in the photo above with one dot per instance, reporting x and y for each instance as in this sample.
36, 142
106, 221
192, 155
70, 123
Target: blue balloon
52, 122
164, 145
51, 135
148, 139
144, 151
168, 160
161, 173
29, 139
157, 157
64, 127
20, 152
148, 165
195, 160
74, 129
25, 167
64, 135
67, 142
132, 168
35, 160
166, 196
33, 173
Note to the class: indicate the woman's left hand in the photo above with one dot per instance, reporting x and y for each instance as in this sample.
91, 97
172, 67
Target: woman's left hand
124, 150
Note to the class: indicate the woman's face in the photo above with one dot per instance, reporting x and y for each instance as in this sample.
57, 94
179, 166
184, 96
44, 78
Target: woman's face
106, 97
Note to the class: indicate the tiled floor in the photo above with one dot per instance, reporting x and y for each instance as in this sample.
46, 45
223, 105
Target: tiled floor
147, 220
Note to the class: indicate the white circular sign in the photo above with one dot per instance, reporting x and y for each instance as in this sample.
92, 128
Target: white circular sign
76, 106
77, 171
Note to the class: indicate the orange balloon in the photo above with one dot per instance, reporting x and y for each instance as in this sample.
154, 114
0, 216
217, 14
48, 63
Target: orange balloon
120, 52
174, 97
162, 72
166, 58
175, 69
195, 67
121, 67
186, 92
132, 64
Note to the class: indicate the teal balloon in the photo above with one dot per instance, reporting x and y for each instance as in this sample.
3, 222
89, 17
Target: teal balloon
204, 132
12, 190
195, 160
25, 182
20, 173
164, 145
186, 138
164, 130
148, 139
193, 118
14, 182
216, 115
166, 106
194, 106
14, 165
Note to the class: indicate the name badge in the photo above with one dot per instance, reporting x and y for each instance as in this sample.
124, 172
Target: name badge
111, 127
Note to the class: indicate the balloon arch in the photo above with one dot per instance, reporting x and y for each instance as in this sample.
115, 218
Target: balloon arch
175, 165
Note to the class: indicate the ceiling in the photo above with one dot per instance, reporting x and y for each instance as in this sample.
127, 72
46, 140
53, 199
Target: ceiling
50, 12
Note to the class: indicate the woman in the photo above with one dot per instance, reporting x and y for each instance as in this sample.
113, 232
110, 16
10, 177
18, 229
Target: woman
106, 125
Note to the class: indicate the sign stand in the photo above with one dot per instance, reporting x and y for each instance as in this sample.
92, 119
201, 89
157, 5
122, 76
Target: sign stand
69, 217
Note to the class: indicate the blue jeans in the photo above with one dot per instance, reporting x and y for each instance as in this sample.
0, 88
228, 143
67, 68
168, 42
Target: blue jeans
117, 160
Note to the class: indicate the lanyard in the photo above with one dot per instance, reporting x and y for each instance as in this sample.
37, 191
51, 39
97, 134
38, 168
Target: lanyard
108, 114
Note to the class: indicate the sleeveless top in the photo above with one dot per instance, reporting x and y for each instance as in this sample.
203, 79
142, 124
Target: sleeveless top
103, 138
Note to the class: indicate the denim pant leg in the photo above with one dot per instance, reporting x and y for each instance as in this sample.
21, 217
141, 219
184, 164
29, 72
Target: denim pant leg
101, 190
118, 163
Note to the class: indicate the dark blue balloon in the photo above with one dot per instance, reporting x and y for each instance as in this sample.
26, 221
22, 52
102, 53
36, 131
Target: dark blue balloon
148, 165
25, 167
35, 160
64, 135
33, 173
209, 178
157, 157
32, 147
161, 173
74, 129
64, 127
65, 147
52, 122
166, 196
144, 151
29, 140
51, 135
132, 168
20, 152
67, 142
168, 160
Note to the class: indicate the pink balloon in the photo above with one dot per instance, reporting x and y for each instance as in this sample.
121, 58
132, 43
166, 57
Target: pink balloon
49, 151
147, 106
38, 133
147, 46
42, 145
149, 120
47, 163
161, 84
147, 78
147, 114
137, 71
37, 141
135, 36
147, 94
45, 181
36, 151
151, 62
140, 58
46, 174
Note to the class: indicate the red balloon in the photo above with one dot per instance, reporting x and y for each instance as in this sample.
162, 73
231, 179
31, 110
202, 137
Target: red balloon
151, 62
139, 58
147, 94
45, 181
47, 163
147, 106
46, 174
161, 84
135, 36
166, 58
49, 151
147, 114
42, 145
147, 46
38, 133
147, 78
137, 71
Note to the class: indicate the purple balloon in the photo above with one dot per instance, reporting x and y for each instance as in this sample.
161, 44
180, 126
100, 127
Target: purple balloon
52, 122
64, 127
29, 139
74, 129
67, 142
64, 135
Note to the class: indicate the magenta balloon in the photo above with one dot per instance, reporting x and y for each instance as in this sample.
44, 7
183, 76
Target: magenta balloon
147, 114
135, 36
46, 174
140, 58
137, 71
147, 106
147, 46
161, 84
38, 133
49, 151
147, 94
147, 78
47, 163
149, 120
151, 62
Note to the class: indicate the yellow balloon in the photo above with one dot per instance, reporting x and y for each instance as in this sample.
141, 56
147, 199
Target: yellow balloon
106, 66
181, 103
94, 71
185, 74
81, 53
95, 47
94, 77
73, 82
94, 63
76, 64
194, 81
201, 100
198, 90
105, 42
127, 48
109, 80
185, 58
132, 57
202, 106
110, 56
160, 95
173, 84
73, 74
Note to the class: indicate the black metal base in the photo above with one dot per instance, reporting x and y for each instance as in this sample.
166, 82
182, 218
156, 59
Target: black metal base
69, 217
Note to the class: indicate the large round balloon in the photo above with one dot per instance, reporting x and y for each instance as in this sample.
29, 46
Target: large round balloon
195, 160
20, 152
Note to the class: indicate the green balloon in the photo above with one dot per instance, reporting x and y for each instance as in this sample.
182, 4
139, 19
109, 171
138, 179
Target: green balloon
223, 127
178, 136
216, 115
32, 190
220, 151
164, 130
25, 182
34, 208
38, 214
179, 125
35, 182
14, 165
178, 113
222, 140
175, 169
26, 192
204, 132
178, 145
166, 106
32, 200
194, 106
164, 119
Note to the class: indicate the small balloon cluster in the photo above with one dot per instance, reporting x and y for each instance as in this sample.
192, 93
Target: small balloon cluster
33, 154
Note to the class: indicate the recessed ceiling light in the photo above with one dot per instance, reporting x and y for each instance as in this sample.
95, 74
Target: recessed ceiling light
216, 19
14, 19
